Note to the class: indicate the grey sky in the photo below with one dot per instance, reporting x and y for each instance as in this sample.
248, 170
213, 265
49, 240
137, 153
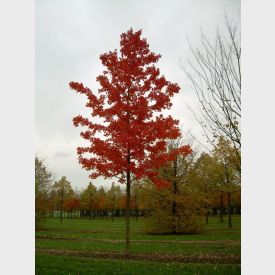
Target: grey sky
70, 36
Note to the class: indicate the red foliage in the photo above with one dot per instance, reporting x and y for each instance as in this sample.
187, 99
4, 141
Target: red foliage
100, 204
132, 93
72, 204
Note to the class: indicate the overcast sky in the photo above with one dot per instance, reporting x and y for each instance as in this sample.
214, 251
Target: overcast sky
70, 36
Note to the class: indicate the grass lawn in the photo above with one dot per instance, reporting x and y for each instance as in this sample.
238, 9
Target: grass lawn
46, 264
76, 237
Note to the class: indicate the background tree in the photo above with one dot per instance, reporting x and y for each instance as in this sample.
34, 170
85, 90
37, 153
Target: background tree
101, 202
224, 152
43, 181
208, 176
130, 139
62, 191
113, 196
71, 205
216, 77
175, 172
177, 208
188, 218
88, 199
136, 197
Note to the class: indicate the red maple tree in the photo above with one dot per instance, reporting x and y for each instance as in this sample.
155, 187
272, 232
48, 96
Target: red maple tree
130, 138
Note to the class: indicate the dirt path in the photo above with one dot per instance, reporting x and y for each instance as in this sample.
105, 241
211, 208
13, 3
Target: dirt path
145, 257
224, 242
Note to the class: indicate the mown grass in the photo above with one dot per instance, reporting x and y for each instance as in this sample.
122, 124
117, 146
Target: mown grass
168, 248
91, 235
47, 264
106, 229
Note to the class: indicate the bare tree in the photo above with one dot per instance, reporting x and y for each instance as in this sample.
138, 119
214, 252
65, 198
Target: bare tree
216, 77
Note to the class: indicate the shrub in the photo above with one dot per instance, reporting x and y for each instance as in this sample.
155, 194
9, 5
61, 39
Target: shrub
187, 218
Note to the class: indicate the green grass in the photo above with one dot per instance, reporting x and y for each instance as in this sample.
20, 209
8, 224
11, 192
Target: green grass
89, 236
106, 229
178, 249
46, 264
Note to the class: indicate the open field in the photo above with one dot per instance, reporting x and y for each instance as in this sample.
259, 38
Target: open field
81, 246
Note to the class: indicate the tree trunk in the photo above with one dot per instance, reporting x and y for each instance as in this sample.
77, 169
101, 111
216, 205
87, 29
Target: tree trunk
174, 204
206, 217
112, 214
221, 208
136, 213
62, 202
128, 213
128, 193
229, 210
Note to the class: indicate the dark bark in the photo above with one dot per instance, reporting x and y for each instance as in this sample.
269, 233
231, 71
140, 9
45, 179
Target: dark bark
221, 208
136, 213
62, 202
228, 196
229, 210
128, 211
175, 190
128, 193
